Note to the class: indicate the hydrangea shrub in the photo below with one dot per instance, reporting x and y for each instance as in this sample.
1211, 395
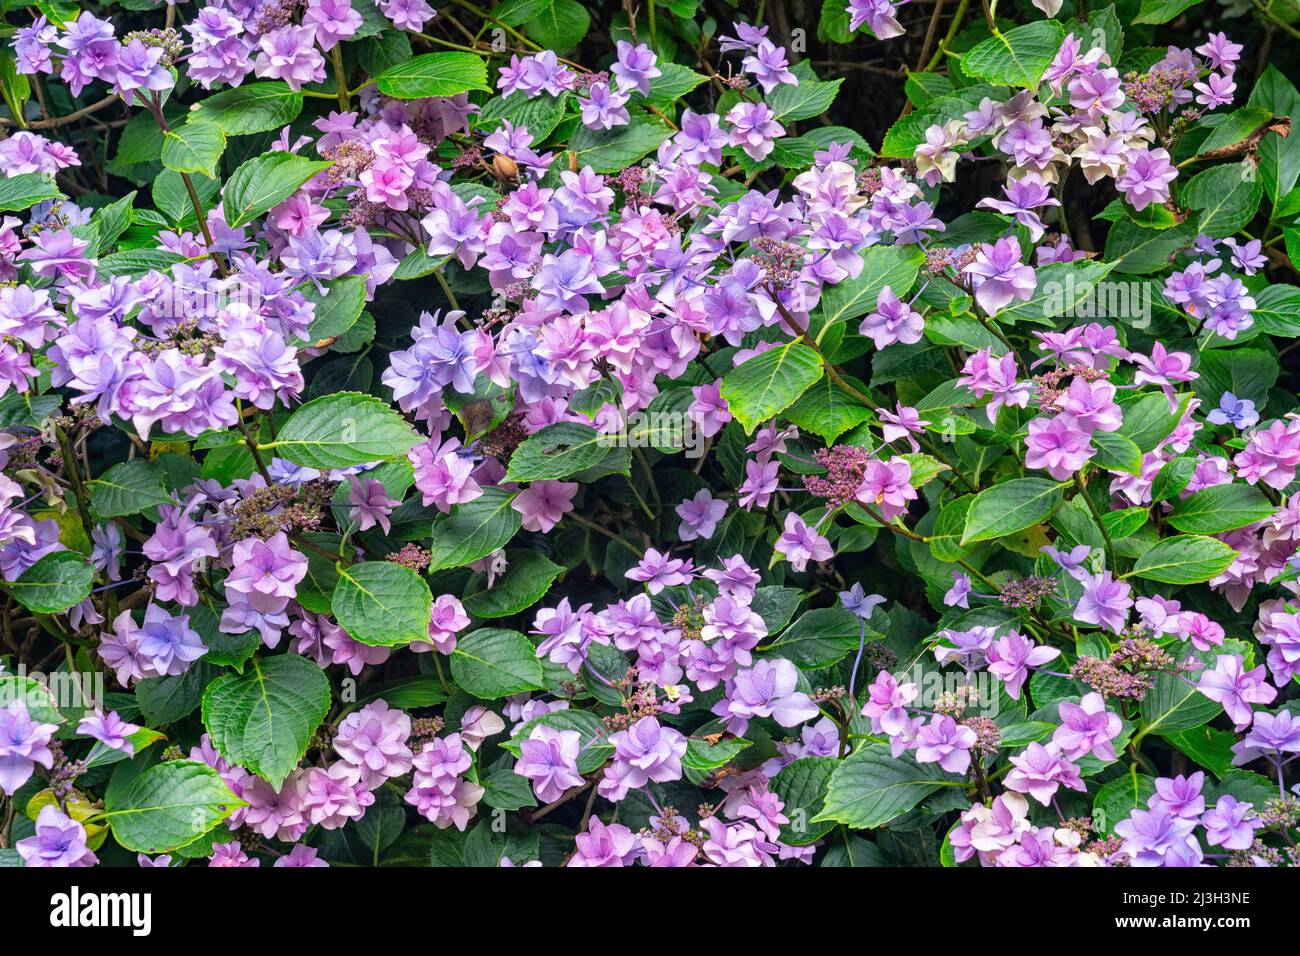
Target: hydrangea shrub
544, 433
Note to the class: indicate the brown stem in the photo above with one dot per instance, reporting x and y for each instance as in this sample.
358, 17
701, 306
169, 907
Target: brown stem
57, 121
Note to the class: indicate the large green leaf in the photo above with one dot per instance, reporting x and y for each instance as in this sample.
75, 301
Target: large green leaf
1220, 508
168, 806
802, 788
195, 147
494, 662
820, 637
265, 181
25, 190
1227, 197
1117, 799
338, 309
766, 384
1067, 288
528, 577
1010, 507
252, 108
128, 488
608, 151
1162, 11
1278, 156
473, 530
1018, 57
892, 266
382, 603
1184, 559
54, 583
434, 74
1174, 704
827, 410
809, 98
344, 429
1137, 250
593, 733
557, 451
870, 787
264, 718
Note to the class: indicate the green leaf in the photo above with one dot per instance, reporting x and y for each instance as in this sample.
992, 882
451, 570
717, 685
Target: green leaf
529, 575
344, 429
809, 98
560, 25
1278, 156
855, 851
165, 700
503, 789
820, 637
833, 24
1067, 288
113, 220
775, 605
1026, 732
1184, 559
338, 309
766, 384
265, 181
173, 199
1137, 250
557, 451
827, 410
434, 74
35, 695
473, 530
870, 787
1010, 507
892, 266
15, 87
224, 650
703, 756
382, 603
541, 114
251, 108
1246, 372
1116, 452
1162, 11
264, 718
1210, 747
1277, 310
1174, 704
168, 806
136, 262
128, 488
1018, 57
802, 788
54, 583
1117, 799
1221, 508
493, 662
1235, 128
26, 190
1148, 420
674, 81
195, 147
1227, 196
609, 151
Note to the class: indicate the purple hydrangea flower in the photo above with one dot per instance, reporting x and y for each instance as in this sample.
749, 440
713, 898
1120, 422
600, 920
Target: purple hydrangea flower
24, 743
59, 841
